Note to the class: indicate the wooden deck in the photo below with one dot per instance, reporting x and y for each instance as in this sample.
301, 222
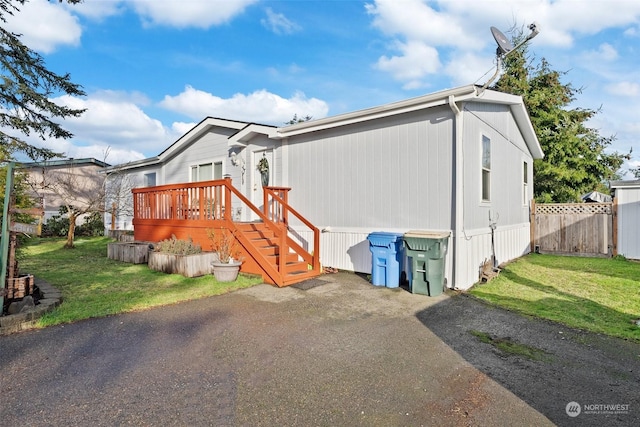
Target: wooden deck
268, 248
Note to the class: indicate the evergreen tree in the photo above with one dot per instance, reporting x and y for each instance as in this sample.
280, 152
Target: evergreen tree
26, 86
575, 159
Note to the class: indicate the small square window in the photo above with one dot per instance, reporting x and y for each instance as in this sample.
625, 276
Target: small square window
150, 179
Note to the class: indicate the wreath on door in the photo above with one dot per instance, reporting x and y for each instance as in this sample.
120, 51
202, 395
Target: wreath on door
263, 168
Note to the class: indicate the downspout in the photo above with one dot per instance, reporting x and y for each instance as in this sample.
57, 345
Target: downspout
458, 193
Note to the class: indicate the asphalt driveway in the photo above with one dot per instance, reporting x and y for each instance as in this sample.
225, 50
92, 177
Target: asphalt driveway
341, 353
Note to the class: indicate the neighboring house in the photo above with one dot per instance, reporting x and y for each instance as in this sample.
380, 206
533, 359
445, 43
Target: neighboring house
627, 200
78, 179
459, 161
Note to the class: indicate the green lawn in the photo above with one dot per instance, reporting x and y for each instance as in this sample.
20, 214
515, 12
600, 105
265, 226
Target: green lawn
595, 294
94, 286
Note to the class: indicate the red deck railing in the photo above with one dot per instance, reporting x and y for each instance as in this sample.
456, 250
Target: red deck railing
187, 210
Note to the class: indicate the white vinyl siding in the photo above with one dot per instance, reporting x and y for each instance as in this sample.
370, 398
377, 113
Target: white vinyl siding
385, 174
628, 198
210, 147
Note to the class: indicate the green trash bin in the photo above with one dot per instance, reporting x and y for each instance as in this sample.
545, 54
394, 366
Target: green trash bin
426, 251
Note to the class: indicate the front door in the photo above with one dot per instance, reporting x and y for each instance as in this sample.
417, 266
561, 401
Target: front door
263, 165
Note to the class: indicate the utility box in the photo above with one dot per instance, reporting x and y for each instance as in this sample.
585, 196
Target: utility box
387, 256
426, 251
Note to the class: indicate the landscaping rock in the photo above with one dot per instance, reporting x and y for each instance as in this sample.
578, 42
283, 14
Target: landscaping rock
23, 306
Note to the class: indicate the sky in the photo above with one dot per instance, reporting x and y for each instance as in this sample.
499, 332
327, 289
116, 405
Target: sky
152, 69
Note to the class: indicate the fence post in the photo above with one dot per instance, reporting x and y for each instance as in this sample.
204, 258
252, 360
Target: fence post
614, 219
532, 227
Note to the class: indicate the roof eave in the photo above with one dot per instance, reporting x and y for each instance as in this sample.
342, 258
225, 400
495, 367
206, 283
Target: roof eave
405, 106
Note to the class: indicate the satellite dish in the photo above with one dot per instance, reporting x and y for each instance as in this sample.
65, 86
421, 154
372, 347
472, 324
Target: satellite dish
504, 45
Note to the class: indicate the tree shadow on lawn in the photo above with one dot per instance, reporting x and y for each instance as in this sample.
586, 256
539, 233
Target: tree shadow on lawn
618, 268
557, 304
577, 366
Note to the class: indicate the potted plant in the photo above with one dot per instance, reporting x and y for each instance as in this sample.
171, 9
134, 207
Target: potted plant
263, 168
227, 265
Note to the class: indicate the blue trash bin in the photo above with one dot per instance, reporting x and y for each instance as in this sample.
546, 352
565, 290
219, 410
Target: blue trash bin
387, 255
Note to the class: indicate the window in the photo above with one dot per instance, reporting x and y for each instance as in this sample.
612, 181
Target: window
486, 169
525, 183
150, 179
206, 172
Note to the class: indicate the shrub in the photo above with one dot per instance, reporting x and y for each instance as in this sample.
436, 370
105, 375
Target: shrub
178, 246
92, 226
56, 226
224, 243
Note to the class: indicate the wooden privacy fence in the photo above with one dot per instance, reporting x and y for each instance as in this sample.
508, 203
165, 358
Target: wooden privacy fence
573, 228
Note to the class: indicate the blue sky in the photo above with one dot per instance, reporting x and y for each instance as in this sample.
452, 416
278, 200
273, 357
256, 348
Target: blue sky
154, 68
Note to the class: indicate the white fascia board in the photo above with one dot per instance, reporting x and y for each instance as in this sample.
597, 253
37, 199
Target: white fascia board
626, 184
408, 105
197, 131
150, 161
524, 123
243, 136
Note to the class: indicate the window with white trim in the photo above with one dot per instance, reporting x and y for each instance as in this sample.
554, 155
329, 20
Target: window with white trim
150, 179
525, 183
486, 169
206, 171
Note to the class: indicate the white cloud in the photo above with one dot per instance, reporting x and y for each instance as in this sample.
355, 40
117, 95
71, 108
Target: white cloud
416, 61
605, 52
416, 20
44, 26
461, 28
188, 13
627, 89
469, 68
96, 10
260, 106
278, 23
113, 122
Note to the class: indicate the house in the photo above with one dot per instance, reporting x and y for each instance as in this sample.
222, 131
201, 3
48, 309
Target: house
76, 179
458, 161
626, 196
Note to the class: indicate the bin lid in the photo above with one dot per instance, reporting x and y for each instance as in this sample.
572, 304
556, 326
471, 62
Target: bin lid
425, 234
385, 234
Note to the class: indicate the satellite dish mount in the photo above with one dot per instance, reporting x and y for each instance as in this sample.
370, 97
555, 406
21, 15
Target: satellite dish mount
505, 47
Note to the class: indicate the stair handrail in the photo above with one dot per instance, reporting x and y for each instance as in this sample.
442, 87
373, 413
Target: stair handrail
287, 209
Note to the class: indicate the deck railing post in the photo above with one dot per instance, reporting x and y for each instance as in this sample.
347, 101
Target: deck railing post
285, 212
265, 203
227, 199
283, 252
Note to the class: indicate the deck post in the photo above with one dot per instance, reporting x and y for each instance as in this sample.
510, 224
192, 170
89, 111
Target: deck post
227, 199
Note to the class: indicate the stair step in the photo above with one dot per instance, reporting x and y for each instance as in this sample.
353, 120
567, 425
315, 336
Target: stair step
264, 240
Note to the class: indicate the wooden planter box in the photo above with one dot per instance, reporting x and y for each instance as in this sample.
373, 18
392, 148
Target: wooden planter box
187, 265
135, 253
20, 287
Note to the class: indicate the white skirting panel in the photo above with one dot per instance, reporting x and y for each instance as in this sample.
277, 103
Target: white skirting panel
349, 250
345, 250
475, 248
